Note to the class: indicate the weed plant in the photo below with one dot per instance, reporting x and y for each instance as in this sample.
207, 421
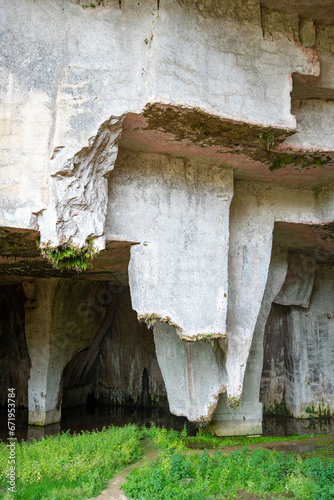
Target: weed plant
67, 256
69, 466
166, 439
201, 477
78, 466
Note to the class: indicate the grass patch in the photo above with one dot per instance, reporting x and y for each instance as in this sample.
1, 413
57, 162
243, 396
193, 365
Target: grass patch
166, 439
78, 466
170, 439
200, 476
69, 466
217, 442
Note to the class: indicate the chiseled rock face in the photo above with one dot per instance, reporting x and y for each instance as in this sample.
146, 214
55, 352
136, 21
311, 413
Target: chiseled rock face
298, 285
88, 96
298, 361
179, 213
184, 365
68, 72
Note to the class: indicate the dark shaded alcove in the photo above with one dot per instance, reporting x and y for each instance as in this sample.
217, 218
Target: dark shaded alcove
298, 370
14, 358
120, 367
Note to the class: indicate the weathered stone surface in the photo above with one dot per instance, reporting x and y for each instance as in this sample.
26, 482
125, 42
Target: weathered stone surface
83, 88
179, 213
120, 367
183, 366
21, 259
298, 369
244, 415
78, 203
298, 285
58, 323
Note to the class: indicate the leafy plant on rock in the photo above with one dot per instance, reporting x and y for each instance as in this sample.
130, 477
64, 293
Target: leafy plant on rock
148, 319
267, 141
67, 256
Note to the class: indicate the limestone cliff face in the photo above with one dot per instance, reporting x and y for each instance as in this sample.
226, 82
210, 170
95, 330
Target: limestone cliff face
200, 136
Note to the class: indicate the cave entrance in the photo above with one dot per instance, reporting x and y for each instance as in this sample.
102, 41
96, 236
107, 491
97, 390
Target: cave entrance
69, 339
297, 383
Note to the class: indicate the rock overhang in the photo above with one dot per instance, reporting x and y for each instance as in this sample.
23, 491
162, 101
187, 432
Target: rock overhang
227, 99
314, 240
21, 260
253, 151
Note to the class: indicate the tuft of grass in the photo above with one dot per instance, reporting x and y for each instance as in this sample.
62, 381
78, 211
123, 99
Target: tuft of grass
69, 466
166, 439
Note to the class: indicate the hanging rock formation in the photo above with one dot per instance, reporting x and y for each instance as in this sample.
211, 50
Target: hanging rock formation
192, 143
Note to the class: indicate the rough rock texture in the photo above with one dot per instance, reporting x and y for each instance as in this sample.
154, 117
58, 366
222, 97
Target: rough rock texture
244, 415
174, 208
182, 365
14, 358
298, 285
60, 319
21, 259
106, 62
200, 134
298, 367
78, 202
122, 368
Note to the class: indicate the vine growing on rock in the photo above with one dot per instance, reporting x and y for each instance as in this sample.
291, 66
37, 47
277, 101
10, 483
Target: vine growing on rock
67, 256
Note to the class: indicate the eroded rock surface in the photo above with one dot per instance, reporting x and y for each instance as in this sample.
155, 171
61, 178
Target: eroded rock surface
200, 135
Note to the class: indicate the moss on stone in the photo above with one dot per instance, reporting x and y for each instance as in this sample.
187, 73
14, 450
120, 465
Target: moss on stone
70, 257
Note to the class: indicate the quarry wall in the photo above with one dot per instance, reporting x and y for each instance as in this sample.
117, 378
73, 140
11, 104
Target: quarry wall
191, 143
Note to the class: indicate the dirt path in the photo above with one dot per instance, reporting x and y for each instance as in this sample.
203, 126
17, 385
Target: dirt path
113, 491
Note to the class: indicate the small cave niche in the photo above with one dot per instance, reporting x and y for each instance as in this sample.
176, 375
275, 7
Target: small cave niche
115, 366
298, 373
120, 368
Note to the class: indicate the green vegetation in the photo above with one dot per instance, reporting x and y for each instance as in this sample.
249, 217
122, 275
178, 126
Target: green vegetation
217, 442
70, 257
78, 466
92, 5
201, 476
201, 127
297, 160
284, 161
267, 141
148, 319
66, 466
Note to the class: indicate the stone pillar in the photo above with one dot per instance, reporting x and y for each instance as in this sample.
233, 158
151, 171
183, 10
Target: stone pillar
193, 372
60, 319
251, 236
246, 417
181, 219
